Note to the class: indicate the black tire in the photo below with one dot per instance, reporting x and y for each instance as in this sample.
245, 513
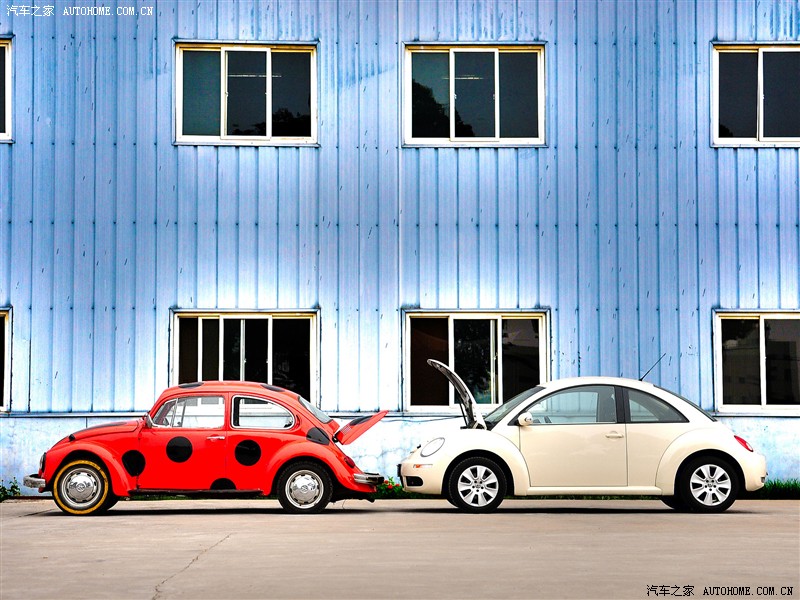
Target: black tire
708, 484
476, 485
304, 488
82, 487
674, 502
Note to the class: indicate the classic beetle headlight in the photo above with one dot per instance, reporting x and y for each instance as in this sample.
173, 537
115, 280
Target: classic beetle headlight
432, 447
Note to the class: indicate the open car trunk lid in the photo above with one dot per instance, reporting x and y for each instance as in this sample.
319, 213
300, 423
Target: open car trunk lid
473, 418
353, 430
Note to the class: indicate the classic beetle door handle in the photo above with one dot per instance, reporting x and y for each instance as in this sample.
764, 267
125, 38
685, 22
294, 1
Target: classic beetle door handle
214, 438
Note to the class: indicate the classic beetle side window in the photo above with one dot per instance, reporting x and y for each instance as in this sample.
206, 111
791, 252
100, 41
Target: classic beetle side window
205, 412
260, 414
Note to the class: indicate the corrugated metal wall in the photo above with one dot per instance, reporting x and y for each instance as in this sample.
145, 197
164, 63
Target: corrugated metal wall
628, 226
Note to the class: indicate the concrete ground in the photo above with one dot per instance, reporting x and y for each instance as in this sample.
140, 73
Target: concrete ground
398, 549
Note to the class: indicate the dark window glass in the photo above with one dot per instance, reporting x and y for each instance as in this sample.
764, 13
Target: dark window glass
474, 91
520, 356
201, 93
291, 94
645, 408
2, 91
256, 350
738, 94
741, 374
187, 362
519, 95
428, 340
781, 94
430, 95
782, 339
247, 93
232, 349
475, 357
210, 349
291, 355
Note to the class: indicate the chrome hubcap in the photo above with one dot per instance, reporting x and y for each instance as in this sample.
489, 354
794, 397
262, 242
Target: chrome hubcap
478, 485
304, 489
710, 485
81, 487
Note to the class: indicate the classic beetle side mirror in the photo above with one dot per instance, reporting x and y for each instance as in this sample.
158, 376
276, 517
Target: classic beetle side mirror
148, 420
526, 420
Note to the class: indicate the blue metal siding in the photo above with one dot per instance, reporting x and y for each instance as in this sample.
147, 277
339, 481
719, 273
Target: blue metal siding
628, 225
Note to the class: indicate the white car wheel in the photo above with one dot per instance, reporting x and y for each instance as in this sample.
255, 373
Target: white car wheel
477, 485
708, 484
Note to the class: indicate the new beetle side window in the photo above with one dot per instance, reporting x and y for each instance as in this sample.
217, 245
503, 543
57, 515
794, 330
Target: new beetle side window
579, 405
204, 412
645, 408
260, 414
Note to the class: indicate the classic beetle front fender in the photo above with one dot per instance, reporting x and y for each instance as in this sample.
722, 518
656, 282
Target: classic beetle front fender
121, 481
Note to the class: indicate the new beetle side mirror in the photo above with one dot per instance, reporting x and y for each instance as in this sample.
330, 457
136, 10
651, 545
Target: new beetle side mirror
526, 420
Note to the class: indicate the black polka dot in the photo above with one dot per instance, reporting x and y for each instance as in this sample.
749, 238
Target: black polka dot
133, 461
247, 453
223, 484
179, 449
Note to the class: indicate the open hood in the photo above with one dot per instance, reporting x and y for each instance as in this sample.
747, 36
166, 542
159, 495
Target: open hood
469, 407
353, 430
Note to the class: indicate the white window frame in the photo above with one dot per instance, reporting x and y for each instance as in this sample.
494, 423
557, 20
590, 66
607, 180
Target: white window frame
240, 140
220, 317
5, 55
763, 408
452, 50
498, 316
5, 316
760, 140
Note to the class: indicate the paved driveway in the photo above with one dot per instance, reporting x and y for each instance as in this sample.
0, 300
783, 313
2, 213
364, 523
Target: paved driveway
399, 549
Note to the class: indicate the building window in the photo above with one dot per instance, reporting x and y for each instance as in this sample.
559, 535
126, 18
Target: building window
249, 94
758, 361
497, 355
756, 95
5, 358
273, 348
474, 95
5, 90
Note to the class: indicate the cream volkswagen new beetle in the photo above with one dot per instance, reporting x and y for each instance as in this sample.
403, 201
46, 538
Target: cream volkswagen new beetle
585, 436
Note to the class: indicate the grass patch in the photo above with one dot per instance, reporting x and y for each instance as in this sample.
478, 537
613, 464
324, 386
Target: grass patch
780, 489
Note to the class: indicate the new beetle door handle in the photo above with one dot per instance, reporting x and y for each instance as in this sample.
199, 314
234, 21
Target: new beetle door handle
613, 435
215, 438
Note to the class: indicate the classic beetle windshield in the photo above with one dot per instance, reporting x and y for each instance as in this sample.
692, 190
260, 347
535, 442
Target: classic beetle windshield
494, 417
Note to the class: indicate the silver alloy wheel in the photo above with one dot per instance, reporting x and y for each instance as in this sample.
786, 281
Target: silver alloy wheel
710, 484
304, 489
478, 486
80, 487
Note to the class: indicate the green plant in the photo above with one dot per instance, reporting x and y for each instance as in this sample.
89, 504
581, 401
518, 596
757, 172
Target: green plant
786, 489
389, 489
12, 491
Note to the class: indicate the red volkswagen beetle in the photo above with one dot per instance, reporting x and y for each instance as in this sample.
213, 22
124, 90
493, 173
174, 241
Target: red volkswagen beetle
223, 439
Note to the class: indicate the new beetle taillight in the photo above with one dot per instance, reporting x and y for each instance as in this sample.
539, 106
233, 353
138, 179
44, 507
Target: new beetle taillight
744, 443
